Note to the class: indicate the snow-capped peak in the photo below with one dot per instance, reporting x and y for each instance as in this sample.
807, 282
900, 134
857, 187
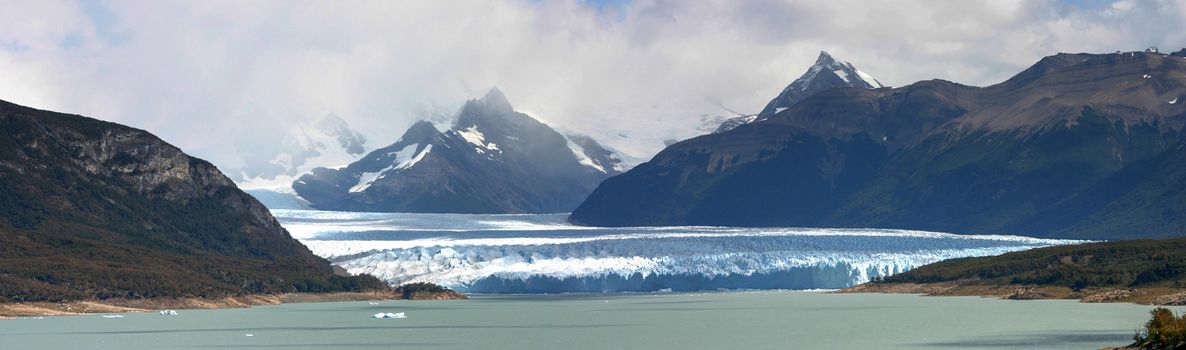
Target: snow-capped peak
844, 70
492, 159
827, 72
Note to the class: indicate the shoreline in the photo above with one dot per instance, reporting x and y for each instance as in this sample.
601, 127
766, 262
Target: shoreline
1143, 296
1156, 296
87, 307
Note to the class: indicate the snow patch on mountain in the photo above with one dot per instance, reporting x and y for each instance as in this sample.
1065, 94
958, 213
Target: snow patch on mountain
366, 179
581, 156
868, 79
419, 156
404, 158
472, 135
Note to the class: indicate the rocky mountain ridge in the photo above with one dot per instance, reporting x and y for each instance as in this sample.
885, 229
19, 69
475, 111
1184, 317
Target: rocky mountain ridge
1077, 146
95, 210
492, 160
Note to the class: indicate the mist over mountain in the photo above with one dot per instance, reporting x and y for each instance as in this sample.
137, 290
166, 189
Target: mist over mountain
492, 160
1078, 145
328, 142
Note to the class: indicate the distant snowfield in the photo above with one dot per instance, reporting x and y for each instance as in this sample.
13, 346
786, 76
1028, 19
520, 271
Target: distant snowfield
545, 254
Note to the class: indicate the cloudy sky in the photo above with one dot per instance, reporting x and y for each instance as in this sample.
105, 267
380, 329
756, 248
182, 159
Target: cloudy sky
212, 76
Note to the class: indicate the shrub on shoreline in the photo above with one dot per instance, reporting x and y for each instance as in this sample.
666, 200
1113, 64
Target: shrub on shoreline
1163, 331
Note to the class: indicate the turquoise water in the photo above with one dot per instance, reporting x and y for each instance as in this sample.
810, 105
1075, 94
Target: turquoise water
729, 320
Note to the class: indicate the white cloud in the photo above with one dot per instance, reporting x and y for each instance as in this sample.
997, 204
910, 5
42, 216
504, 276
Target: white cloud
209, 75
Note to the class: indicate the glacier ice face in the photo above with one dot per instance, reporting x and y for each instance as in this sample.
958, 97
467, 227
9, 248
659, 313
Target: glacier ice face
544, 254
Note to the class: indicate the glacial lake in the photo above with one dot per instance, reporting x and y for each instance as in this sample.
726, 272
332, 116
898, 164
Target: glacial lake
721, 320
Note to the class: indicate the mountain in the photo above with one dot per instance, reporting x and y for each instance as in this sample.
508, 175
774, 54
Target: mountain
91, 209
492, 160
826, 73
272, 163
1078, 145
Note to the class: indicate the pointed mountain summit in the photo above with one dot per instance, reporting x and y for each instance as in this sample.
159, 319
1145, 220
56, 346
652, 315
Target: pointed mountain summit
826, 73
1087, 146
492, 160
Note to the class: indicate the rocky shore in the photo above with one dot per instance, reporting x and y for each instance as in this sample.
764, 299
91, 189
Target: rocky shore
81, 307
1146, 296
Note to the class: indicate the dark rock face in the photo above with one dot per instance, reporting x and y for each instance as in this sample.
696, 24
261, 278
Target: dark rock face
493, 160
1179, 53
1080, 146
826, 73
94, 210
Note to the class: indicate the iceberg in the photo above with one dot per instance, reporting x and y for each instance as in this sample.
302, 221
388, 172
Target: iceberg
168, 313
389, 315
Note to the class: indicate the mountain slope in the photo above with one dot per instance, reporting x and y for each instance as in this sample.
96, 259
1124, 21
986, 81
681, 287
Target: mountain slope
1078, 146
93, 209
826, 73
493, 160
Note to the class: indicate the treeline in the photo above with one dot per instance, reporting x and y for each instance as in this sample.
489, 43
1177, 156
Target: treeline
1138, 263
39, 267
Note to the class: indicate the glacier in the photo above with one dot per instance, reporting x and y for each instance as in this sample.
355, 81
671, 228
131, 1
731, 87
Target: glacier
541, 253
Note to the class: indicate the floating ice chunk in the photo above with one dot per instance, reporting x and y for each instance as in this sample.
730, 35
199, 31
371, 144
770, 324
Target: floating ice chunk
248, 335
1146, 76
113, 316
1174, 101
389, 315
373, 303
168, 313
